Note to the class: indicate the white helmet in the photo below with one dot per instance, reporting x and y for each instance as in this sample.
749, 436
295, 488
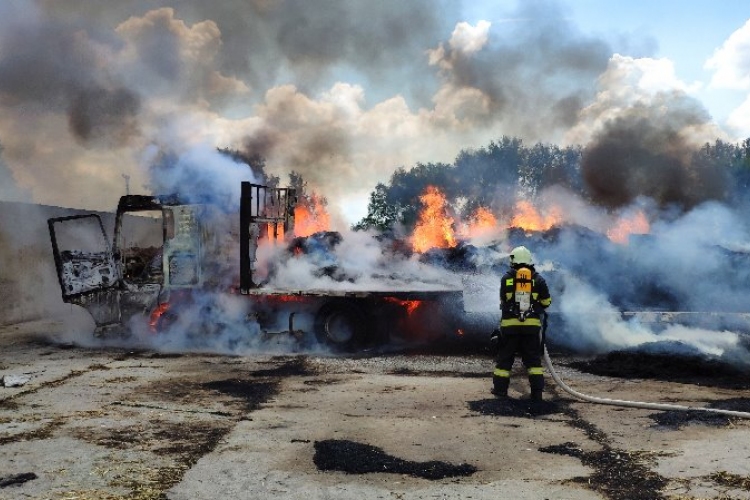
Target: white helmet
521, 255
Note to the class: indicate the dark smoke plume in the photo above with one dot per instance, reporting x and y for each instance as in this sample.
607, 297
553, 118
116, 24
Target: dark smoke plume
536, 72
646, 154
101, 115
55, 65
262, 38
45, 63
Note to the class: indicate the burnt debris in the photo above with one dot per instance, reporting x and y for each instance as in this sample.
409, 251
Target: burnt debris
521, 408
295, 367
357, 458
320, 248
15, 479
252, 392
677, 419
687, 369
618, 474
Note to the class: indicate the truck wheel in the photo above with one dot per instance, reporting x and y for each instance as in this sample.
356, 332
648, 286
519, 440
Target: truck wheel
341, 325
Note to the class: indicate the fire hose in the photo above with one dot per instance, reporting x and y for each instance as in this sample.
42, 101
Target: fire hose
622, 402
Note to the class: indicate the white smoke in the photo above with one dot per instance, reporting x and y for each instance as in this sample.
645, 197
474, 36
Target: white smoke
691, 270
200, 174
361, 263
598, 326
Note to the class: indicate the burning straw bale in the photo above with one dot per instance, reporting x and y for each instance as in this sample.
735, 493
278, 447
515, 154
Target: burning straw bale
357, 458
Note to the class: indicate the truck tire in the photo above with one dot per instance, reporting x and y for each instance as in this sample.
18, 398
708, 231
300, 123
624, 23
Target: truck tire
342, 326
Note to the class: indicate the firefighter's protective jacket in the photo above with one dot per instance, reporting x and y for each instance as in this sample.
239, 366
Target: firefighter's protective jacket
511, 318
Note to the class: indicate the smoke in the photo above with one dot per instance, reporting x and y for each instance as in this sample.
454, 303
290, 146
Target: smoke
285, 79
691, 270
600, 327
645, 152
9, 188
49, 65
345, 92
104, 115
534, 75
200, 175
340, 92
360, 262
217, 323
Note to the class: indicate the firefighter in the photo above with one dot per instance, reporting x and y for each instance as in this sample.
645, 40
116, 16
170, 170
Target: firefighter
524, 296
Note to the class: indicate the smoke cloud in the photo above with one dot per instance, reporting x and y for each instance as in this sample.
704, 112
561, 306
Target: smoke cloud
646, 153
346, 92
282, 78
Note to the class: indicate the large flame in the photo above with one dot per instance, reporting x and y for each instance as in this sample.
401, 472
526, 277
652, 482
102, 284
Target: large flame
311, 216
636, 223
480, 223
435, 227
526, 216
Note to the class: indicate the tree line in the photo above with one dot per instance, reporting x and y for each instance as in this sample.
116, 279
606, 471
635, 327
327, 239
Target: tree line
506, 168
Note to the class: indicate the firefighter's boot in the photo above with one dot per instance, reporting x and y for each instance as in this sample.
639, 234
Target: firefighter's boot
536, 382
500, 386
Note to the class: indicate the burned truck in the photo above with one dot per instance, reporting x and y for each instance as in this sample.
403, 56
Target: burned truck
170, 262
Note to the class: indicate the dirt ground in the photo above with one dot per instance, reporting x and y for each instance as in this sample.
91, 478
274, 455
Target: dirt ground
115, 423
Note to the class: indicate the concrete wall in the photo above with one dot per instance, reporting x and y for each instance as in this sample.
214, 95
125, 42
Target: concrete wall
29, 289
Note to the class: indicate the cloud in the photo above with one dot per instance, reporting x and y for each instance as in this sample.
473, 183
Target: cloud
341, 92
465, 39
730, 64
163, 56
731, 61
739, 119
645, 87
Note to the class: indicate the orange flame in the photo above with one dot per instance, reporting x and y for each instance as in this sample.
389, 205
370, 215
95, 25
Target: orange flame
285, 298
481, 222
409, 305
527, 217
435, 227
156, 314
311, 217
625, 226
279, 228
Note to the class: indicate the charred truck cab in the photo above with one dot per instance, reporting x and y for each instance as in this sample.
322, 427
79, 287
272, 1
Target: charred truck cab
166, 252
157, 248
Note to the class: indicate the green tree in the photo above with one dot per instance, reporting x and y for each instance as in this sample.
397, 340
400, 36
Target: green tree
381, 215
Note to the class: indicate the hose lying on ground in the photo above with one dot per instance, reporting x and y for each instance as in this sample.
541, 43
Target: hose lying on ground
633, 404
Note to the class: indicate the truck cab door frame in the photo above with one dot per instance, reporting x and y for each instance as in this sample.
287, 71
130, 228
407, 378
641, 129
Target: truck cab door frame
90, 278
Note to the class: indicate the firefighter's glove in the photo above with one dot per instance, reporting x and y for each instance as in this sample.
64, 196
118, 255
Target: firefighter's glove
495, 339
